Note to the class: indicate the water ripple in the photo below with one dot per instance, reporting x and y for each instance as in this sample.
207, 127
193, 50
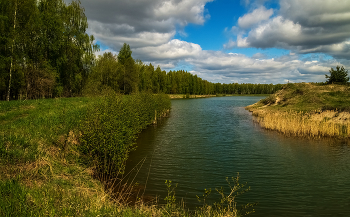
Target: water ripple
205, 140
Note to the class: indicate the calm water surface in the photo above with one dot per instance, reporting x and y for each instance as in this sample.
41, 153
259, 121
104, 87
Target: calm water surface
205, 140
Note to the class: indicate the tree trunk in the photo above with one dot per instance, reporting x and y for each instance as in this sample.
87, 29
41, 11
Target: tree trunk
124, 80
13, 42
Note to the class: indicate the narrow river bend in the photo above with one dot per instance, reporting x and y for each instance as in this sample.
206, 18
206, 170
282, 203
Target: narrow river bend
205, 140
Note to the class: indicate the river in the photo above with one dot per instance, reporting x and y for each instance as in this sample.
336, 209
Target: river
205, 140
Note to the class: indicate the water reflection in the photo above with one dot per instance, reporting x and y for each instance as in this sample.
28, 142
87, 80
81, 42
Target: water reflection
205, 140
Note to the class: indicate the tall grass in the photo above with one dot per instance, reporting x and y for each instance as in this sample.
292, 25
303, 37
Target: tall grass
313, 124
40, 169
306, 109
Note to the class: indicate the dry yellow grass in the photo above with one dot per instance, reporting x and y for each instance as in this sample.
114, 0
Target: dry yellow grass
306, 109
181, 96
314, 124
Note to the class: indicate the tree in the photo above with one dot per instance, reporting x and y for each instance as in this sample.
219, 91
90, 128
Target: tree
13, 44
104, 75
124, 53
129, 81
44, 49
337, 76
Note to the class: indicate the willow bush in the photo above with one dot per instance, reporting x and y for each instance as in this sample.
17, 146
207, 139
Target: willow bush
112, 124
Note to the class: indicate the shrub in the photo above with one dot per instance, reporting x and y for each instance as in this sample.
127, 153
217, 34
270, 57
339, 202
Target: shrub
111, 126
269, 100
337, 76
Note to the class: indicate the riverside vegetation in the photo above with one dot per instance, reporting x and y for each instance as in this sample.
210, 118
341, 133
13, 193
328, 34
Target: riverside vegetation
306, 109
62, 157
58, 155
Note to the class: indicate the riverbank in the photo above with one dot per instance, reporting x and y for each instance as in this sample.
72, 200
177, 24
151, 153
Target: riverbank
306, 109
184, 96
50, 152
65, 157
187, 96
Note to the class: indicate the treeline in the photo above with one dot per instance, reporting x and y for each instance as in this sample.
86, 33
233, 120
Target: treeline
45, 52
44, 49
122, 74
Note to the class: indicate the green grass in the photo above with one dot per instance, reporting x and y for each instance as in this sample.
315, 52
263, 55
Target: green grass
40, 171
306, 97
44, 170
26, 126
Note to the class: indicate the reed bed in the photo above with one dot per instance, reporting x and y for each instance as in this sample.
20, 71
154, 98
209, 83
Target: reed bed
312, 124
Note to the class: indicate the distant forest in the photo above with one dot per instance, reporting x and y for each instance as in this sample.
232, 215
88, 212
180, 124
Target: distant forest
45, 52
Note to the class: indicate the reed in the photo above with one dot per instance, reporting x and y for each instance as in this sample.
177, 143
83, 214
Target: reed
312, 124
306, 109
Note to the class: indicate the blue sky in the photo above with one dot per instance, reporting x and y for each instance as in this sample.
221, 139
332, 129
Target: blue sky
244, 41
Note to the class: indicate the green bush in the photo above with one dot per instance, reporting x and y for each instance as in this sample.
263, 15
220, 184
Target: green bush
269, 100
111, 127
339, 75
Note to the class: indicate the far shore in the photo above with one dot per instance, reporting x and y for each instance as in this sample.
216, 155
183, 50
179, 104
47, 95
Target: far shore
184, 96
306, 110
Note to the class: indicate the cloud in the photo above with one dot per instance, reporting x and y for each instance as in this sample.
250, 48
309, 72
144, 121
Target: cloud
230, 44
255, 17
245, 2
141, 23
340, 50
184, 12
259, 56
173, 50
217, 66
314, 13
228, 68
301, 26
149, 27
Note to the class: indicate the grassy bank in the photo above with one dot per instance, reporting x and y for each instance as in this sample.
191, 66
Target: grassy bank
188, 96
306, 109
59, 157
44, 167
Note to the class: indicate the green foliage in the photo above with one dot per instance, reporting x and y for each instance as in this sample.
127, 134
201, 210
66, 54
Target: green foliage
111, 126
127, 76
44, 45
124, 54
339, 75
205, 195
269, 100
104, 75
34, 128
45, 52
227, 206
170, 198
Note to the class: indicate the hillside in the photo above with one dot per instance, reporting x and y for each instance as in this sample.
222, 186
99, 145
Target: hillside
306, 109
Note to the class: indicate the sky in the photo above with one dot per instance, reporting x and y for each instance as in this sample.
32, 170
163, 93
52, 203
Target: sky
228, 41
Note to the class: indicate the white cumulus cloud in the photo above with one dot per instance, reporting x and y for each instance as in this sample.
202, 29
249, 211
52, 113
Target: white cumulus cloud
255, 17
302, 26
